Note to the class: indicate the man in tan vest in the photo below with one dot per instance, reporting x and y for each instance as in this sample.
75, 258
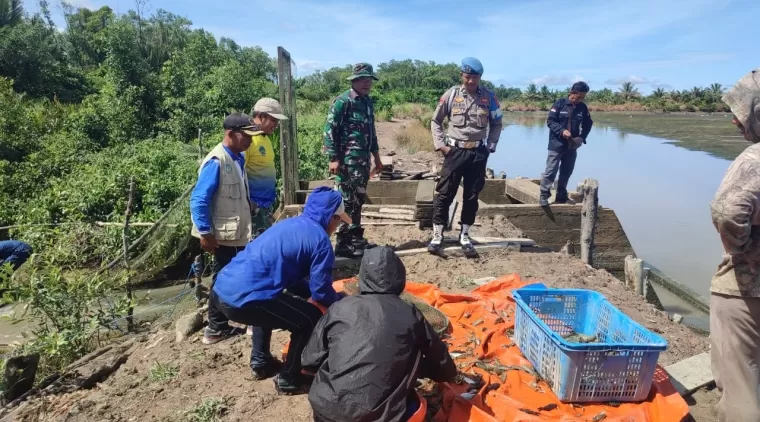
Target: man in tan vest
221, 209
735, 287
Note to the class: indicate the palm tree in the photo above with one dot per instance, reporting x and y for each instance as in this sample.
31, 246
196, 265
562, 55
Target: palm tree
628, 91
716, 89
697, 92
658, 93
11, 12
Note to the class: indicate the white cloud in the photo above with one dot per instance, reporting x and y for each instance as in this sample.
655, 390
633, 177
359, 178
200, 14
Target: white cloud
638, 80
555, 80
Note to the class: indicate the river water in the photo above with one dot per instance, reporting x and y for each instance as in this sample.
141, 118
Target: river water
660, 190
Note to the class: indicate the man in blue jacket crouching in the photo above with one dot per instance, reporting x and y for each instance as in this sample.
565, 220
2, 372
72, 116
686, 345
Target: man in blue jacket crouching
294, 254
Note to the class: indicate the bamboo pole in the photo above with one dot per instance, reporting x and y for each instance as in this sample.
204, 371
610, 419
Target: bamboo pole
125, 241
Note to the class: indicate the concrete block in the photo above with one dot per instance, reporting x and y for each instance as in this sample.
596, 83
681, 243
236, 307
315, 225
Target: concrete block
551, 227
494, 192
524, 191
691, 374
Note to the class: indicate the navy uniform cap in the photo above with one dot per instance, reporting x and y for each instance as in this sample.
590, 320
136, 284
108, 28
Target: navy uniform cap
471, 65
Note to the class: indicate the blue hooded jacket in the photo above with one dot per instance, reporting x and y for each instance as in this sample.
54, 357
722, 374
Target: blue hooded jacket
295, 250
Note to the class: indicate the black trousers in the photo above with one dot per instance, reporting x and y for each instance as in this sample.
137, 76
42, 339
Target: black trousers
467, 164
285, 312
217, 322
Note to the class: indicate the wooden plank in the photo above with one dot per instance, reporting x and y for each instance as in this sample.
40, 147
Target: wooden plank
451, 251
288, 140
691, 374
397, 210
406, 217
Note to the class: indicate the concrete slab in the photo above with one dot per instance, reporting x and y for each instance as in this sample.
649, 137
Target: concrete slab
524, 191
383, 192
551, 227
691, 374
494, 192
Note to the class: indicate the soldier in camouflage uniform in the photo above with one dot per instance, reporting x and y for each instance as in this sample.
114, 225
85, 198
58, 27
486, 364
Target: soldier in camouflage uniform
349, 140
735, 287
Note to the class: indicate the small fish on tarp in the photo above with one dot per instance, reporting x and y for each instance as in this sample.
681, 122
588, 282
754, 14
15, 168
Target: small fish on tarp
530, 412
548, 407
600, 417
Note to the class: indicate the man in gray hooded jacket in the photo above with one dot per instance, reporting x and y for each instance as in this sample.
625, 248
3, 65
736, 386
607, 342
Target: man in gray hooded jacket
735, 287
368, 350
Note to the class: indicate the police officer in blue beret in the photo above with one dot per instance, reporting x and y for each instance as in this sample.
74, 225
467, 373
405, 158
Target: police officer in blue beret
475, 125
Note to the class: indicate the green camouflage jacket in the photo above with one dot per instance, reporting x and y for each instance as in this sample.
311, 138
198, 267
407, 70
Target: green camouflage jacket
350, 129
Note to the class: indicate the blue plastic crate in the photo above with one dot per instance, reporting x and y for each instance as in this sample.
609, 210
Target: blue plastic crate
618, 368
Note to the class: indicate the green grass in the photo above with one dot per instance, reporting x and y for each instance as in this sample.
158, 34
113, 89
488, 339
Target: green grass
208, 410
163, 372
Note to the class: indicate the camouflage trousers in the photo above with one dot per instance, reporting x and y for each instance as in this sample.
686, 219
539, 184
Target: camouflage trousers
261, 219
351, 182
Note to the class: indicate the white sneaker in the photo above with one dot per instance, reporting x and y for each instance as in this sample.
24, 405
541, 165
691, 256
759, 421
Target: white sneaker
465, 242
435, 244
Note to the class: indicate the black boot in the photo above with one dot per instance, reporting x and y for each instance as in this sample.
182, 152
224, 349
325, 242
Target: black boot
345, 246
359, 240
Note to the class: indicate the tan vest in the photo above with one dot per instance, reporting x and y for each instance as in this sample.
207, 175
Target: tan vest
230, 207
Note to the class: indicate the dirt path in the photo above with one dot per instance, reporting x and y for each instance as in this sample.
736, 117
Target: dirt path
163, 380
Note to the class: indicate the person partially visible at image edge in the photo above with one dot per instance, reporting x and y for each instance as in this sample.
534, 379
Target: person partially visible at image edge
350, 139
220, 208
14, 253
475, 124
735, 287
569, 124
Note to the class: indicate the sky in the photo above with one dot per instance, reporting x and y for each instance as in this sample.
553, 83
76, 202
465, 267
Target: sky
673, 44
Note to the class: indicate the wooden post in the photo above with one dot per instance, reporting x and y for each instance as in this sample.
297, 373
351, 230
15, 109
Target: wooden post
634, 274
288, 128
200, 146
588, 219
125, 241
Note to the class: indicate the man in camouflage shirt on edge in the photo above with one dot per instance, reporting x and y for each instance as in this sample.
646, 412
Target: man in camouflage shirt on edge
350, 139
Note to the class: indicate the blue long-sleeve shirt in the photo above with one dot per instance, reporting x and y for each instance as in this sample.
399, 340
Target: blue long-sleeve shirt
285, 255
205, 188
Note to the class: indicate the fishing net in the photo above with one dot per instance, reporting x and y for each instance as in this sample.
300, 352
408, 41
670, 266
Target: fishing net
156, 250
434, 317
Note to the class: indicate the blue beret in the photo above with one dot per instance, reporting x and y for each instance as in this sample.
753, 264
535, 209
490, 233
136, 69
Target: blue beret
472, 65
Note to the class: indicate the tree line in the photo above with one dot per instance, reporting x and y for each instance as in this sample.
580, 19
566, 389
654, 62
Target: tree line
111, 97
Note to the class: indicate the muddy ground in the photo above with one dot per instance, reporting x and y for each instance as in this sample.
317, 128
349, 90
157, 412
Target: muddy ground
166, 381
161, 380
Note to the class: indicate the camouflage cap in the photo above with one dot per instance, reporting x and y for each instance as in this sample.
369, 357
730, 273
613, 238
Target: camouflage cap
362, 70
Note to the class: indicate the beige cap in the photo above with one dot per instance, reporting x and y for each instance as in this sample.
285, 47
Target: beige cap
341, 212
271, 107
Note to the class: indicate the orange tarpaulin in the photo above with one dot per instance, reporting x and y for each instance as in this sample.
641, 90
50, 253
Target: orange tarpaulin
478, 330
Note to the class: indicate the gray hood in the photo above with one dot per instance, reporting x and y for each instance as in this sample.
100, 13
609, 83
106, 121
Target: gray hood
744, 100
381, 272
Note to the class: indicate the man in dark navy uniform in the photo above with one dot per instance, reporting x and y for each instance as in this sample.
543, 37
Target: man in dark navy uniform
569, 124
